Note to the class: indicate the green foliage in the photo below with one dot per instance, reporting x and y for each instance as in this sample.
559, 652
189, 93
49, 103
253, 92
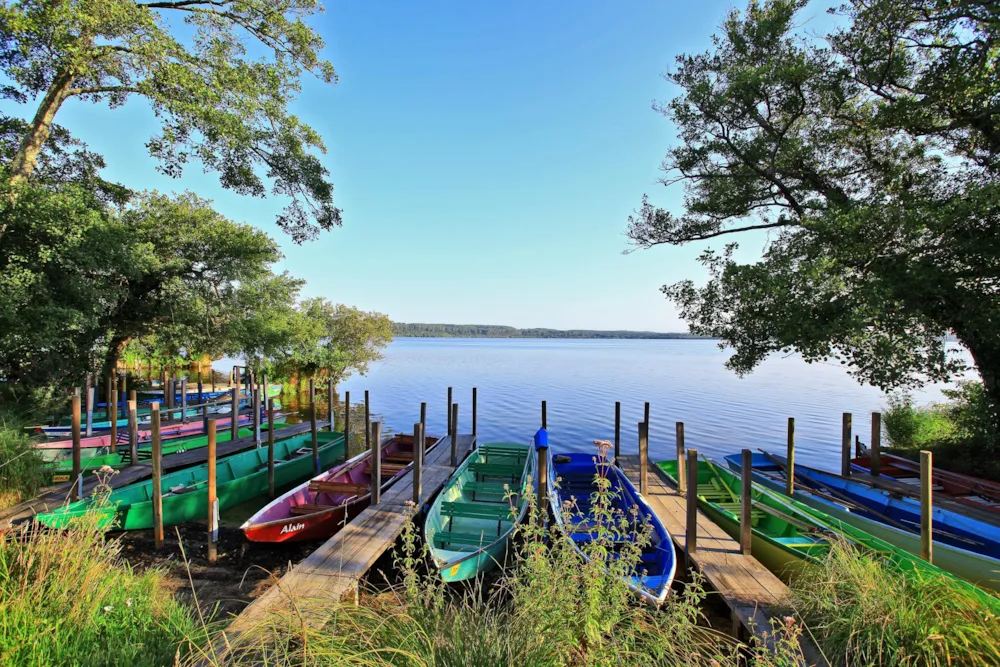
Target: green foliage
21, 464
218, 74
66, 597
497, 331
872, 154
910, 427
859, 608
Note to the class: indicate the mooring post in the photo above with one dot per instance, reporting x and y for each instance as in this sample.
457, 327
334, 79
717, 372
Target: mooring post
315, 437
112, 411
234, 414
545, 416
418, 464
376, 462
184, 400
845, 445
645, 415
124, 396
77, 476
368, 422
875, 456
133, 429
423, 417
454, 434
90, 406
643, 458
347, 424
154, 424
681, 477
746, 502
168, 398
251, 403
213, 501
270, 446
107, 397
447, 415
542, 448
618, 430
691, 543
201, 390
790, 459
259, 393
474, 444
927, 506
312, 389
331, 407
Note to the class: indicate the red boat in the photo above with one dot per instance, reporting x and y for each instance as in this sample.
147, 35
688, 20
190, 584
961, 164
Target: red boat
320, 507
961, 488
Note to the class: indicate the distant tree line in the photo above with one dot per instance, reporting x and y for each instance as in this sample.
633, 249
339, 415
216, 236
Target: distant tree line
498, 331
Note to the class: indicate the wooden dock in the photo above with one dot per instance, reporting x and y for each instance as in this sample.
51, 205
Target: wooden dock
337, 566
754, 595
57, 496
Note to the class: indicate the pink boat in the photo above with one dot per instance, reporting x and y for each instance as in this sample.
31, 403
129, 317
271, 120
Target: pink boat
322, 506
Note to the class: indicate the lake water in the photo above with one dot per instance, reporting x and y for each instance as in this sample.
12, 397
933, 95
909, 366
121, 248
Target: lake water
683, 380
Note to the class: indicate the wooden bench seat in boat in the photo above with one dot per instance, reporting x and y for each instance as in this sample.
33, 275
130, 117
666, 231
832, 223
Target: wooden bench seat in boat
338, 487
397, 457
475, 510
388, 469
443, 537
500, 450
483, 469
300, 510
489, 488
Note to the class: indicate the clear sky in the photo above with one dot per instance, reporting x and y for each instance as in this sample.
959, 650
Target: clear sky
486, 156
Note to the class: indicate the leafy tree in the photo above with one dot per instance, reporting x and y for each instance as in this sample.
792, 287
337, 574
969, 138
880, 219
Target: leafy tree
218, 74
872, 158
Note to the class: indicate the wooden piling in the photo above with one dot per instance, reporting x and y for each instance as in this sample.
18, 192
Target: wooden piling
418, 464
154, 424
423, 417
201, 390
330, 395
454, 435
213, 502
234, 416
312, 389
184, 400
645, 414
270, 446
168, 396
746, 502
376, 462
448, 413
474, 409
124, 395
111, 408
875, 460
545, 416
542, 500
643, 458
107, 397
845, 444
681, 477
368, 422
927, 506
258, 394
618, 430
347, 424
790, 459
89, 399
315, 437
133, 430
691, 541
77, 475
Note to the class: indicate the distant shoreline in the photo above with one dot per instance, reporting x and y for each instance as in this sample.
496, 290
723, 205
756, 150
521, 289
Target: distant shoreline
419, 330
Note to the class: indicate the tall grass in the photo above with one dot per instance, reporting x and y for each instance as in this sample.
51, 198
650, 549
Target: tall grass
67, 598
870, 614
21, 465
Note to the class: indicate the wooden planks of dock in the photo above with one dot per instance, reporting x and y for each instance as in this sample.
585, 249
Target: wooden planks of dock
755, 596
335, 568
58, 495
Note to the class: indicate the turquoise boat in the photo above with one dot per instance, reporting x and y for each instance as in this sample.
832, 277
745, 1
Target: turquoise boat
471, 521
239, 478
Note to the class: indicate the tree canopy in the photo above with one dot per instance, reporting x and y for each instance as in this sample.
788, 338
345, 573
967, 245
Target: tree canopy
871, 156
218, 74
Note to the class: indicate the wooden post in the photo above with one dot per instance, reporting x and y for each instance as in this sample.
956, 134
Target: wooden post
258, 393
184, 400
368, 423
474, 409
376, 462
154, 424
124, 398
643, 458
312, 389
270, 446
927, 506
89, 398
201, 390
645, 415
330, 394
423, 417
454, 435
545, 417
315, 437
347, 424
618, 430
875, 460
234, 414
746, 502
112, 411
418, 464
168, 396
845, 445
107, 397
790, 459
681, 477
211, 377
691, 544
133, 428
543, 483
448, 414
77, 477
213, 502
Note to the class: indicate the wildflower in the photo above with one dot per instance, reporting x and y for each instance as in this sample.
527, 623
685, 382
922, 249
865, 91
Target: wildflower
789, 620
410, 503
714, 663
506, 487
128, 603
106, 470
108, 608
603, 447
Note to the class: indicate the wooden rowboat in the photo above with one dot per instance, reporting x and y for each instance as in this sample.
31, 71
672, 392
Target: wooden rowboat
320, 507
572, 483
239, 478
961, 488
471, 521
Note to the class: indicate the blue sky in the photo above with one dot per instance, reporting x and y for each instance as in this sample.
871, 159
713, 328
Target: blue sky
486, 156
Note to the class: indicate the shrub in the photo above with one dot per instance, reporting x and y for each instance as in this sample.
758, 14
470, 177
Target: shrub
21, 471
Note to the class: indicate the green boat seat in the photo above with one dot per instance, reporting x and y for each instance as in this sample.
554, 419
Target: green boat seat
500, 450
496, 469
475, 510
443, 537
755, 514
489, 488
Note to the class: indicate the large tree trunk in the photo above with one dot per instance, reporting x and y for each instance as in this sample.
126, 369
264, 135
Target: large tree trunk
38, 132
115, 349
985, 353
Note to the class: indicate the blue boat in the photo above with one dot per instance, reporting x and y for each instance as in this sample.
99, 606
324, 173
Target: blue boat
575, 474
963, 546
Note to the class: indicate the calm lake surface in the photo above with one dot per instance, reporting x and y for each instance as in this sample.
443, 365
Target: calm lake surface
683, 380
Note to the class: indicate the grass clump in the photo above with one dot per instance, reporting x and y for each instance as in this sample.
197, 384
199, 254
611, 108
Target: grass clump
67, 597
869, 613
21, 464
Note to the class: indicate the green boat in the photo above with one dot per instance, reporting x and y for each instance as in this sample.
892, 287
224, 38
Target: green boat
472, 519
61, 471
239, 478
789, 537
